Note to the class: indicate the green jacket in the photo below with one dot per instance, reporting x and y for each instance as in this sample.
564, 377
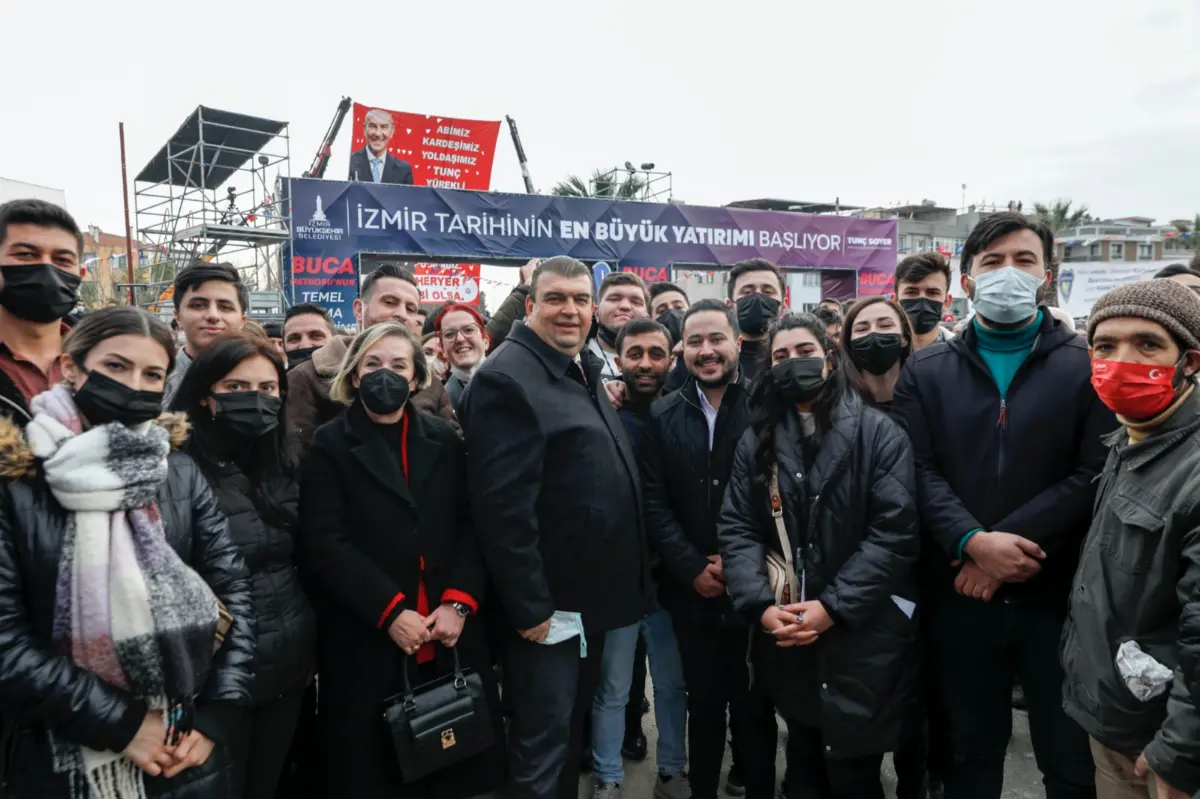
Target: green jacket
1139, 568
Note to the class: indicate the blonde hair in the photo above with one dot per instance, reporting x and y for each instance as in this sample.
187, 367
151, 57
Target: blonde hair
254, 329
342, 388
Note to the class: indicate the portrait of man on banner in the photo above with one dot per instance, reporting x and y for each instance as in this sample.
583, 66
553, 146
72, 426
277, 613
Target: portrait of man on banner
373, 163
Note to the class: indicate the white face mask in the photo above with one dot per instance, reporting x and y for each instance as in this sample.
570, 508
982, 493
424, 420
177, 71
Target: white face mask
565, 625
1006, 296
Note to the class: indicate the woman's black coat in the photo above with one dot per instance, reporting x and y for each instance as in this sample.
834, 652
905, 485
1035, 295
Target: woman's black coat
287, 627
42, 690
859, 543
364, 531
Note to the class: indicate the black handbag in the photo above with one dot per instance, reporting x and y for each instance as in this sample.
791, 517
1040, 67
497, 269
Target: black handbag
438, 724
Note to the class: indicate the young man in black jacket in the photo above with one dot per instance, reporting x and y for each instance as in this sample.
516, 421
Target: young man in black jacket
688, 457
1006, 431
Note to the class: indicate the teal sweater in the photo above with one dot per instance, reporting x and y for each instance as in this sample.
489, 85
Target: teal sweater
1003, 352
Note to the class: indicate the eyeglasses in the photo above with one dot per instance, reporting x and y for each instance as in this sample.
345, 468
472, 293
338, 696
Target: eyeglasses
466, 331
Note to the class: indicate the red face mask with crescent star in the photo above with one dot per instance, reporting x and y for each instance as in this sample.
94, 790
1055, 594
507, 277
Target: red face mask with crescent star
1135, 390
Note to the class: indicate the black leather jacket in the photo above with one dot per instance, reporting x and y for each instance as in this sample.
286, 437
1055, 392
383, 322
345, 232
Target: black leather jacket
43, 690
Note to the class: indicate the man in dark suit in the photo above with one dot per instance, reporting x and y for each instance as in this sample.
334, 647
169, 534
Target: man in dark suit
373, 163
557, 500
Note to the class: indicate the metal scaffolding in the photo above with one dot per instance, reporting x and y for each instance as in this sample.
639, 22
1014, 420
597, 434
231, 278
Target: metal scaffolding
205, 196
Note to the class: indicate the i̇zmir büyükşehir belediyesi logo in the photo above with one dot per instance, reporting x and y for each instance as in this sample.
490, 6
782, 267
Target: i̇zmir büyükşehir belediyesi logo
318, 227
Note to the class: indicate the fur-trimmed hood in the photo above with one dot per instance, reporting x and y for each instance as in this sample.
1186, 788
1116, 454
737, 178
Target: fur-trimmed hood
17, 460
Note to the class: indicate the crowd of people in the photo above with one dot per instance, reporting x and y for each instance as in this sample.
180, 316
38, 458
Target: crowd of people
436, 556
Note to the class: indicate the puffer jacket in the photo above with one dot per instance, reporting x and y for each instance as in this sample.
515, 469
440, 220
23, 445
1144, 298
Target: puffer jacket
287, 627
41, 690
852, 520
1139, 570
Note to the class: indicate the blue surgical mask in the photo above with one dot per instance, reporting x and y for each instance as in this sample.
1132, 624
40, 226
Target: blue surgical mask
1006, 296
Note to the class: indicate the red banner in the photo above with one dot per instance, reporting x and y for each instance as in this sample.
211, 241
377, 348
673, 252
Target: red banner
443, 152
448, 283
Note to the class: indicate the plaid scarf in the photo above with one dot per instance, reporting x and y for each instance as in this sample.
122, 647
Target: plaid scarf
127, 609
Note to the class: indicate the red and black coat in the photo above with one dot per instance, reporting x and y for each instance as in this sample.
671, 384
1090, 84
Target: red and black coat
384, 521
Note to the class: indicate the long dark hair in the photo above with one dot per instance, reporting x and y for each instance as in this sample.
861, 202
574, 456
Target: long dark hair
853, 375
767, 407
266, 462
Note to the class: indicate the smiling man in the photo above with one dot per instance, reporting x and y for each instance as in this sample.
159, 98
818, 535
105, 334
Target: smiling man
556, 500
373, 163
622, 296
39, 266
210, 301
686, 464
1141, 560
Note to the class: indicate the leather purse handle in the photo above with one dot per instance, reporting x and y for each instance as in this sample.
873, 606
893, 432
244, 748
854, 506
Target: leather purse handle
460, 680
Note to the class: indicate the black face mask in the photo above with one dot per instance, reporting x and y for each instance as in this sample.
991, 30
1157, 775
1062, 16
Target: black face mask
672, 320
876, 352
607, 335
102, 400
755, 313
923, 313
40, 293
251, 414
297, 357
383, 392
799, 380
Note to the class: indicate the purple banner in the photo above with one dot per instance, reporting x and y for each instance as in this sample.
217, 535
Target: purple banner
332, 221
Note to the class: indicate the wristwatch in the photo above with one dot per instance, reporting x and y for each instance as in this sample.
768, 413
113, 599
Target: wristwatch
461, 608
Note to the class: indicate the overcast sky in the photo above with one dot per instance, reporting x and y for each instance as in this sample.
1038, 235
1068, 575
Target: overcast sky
875, 102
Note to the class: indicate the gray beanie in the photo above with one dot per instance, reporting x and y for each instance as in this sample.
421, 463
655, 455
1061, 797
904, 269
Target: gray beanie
1172, 305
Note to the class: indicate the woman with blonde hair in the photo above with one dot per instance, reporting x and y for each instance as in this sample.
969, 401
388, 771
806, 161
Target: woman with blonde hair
396, 574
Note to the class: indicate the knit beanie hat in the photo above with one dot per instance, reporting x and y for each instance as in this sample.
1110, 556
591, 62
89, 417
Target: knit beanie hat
1172, 305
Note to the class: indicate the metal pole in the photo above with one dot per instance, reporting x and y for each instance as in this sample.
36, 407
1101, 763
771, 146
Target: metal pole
128, 232
512, 127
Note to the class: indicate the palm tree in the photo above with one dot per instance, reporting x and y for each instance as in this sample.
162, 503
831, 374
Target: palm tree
608, 184
1059, 216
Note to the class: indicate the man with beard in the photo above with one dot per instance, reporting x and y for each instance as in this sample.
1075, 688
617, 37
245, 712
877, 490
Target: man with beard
756, 291
389, 294
688, 457
622, 296
923, 291
463, 343
1006, 431
645, 353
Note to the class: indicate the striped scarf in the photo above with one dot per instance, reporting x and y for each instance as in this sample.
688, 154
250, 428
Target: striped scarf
127, 609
